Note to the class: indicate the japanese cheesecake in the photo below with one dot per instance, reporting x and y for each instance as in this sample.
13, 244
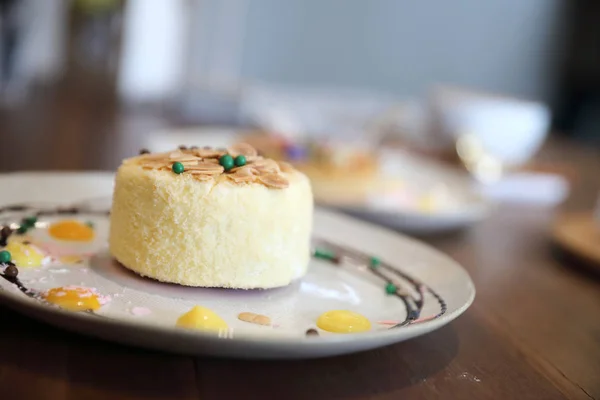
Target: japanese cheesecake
212, 218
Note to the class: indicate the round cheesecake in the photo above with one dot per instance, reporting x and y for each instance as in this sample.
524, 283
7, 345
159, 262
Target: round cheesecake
203, 217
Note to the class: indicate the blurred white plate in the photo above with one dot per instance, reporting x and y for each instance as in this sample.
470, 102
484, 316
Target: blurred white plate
293, 309
431, 197
422, 223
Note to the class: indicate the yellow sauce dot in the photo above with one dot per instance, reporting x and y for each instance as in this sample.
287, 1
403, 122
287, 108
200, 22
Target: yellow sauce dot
71, 230
73, 298
201, 318
343, 321
24, 255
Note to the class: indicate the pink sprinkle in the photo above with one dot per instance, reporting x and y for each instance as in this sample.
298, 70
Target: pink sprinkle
84, 295
140, 311
388, 322
60, 294
104, 299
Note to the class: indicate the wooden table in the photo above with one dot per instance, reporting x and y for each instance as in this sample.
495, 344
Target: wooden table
532, 333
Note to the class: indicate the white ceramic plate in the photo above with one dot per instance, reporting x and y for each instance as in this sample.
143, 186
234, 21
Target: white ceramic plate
143, 312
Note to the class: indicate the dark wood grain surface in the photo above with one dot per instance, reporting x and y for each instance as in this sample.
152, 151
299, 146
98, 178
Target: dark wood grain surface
532, 333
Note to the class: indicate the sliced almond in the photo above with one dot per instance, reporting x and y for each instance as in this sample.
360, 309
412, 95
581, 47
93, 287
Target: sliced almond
205, 171
208, 167
186, 164
209, 173
156, 169
285, 167
211, 160
254, 318
242, 174
202, 177
176, 154
186, 159
251, 159
263, 161
245, 170
241, 179
205, 164
266, 166
243, 149
154, 165
267, 170
274, 181
180, 156
208, 153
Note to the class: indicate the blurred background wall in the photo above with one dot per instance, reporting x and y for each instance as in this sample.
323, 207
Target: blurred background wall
201, 58
403, 45
398, 48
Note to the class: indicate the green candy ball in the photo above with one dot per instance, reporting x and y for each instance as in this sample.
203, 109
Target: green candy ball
226, 162
5, 256
390, 288
240, 161
324, 254
374, 262
178, 167
29, 221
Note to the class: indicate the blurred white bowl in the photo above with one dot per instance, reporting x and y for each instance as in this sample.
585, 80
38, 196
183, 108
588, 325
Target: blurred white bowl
508, 129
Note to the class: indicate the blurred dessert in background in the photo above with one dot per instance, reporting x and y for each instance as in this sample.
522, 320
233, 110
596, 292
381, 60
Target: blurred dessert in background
341, 172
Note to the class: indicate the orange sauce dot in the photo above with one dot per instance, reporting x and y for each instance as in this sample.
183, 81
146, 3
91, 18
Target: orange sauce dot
73, 298
71, 230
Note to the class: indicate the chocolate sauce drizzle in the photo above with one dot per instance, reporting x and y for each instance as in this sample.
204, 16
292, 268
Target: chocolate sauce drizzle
37, 211
414, 304
15, 281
